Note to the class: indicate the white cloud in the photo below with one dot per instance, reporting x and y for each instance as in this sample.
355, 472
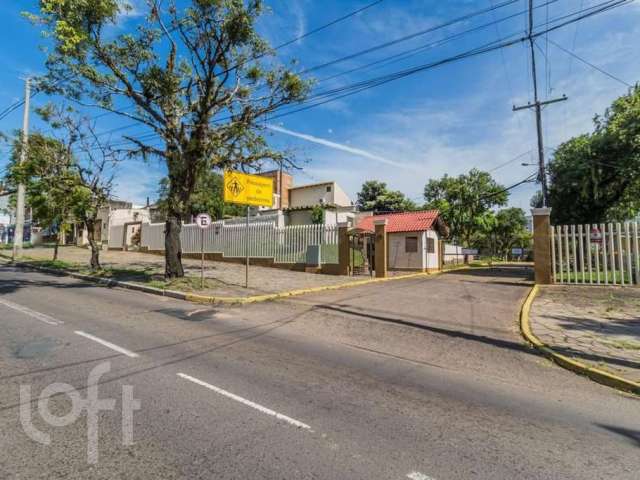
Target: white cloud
137, 180
299, 19
478, 129
337, 146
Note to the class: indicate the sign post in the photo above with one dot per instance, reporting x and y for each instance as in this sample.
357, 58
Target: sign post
246, 252
203, 221
249, 190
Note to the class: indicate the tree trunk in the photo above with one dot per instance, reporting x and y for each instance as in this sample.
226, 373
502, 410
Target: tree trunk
95, 252
55, 248
173, 247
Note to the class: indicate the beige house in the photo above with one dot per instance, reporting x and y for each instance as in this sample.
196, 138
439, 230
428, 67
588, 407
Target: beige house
413, 239
296, 203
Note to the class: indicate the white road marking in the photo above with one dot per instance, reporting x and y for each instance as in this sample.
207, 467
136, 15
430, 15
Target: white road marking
197, 311
32, 313
246, 402
110, 345
419, 476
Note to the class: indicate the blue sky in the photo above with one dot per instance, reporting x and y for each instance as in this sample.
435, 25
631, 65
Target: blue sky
444, 120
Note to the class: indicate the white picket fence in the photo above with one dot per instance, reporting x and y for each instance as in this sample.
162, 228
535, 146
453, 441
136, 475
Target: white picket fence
605, 254
265, 240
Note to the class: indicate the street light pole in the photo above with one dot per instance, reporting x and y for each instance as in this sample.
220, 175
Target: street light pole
17, 234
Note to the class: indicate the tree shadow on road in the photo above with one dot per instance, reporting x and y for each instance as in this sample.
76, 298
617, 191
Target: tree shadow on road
496, 342
523, 273
10, 286
594, 357
632, 436
630, 327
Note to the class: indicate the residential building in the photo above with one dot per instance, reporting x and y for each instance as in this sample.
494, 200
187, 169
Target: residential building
413, 239
116, 213
296, 203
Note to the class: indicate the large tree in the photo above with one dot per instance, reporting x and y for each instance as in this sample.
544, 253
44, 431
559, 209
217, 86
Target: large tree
200, 79
69, 175
375, 196
596, 177
465, 202
207, 197
49, 178
506, 230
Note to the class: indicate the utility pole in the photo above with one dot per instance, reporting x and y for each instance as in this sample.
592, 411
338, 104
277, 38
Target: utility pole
17, 234
537, 104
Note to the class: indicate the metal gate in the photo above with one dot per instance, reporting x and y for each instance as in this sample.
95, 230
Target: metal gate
598, 254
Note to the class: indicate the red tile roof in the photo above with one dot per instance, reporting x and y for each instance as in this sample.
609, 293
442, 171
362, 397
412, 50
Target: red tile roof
402, 222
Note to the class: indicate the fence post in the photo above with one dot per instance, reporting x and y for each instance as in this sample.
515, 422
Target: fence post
542, 245
343, 248
381, 247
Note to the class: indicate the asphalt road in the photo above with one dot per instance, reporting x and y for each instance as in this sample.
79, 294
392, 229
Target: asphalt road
424, 378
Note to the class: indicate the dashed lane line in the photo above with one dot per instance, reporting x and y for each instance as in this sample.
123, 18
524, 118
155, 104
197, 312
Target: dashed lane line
31, 313
248, 403
110, 345
419, 476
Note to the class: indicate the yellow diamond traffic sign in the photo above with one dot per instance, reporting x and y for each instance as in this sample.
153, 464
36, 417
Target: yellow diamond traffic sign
248, 189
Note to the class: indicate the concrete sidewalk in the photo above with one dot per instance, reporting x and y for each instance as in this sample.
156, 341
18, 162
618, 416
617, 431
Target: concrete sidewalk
222, 278
598, 326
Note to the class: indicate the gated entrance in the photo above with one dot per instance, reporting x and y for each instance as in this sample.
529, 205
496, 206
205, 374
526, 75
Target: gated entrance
361, 252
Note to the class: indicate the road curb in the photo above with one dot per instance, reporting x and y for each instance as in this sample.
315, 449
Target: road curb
205, 299
595, 374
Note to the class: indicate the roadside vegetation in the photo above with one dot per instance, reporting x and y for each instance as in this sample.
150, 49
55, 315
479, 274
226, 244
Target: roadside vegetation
199, 78
594, 177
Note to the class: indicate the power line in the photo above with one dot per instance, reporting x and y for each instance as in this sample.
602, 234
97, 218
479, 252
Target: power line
338, 93
327, 25
400, 56
509, 162
18, 104
335, 94
604, 72
575, 38
465, 17
294, 40
408, 37
414, 51
528, 179
491, 46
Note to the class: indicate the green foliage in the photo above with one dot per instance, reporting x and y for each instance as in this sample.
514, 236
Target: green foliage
207, 197
180, 68
506, 230
375, 196
317, 215
536, 200
67, 179
465, 203
596, 177
49, 177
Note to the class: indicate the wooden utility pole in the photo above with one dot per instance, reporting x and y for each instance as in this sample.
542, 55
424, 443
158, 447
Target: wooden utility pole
537, 104
17, 234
